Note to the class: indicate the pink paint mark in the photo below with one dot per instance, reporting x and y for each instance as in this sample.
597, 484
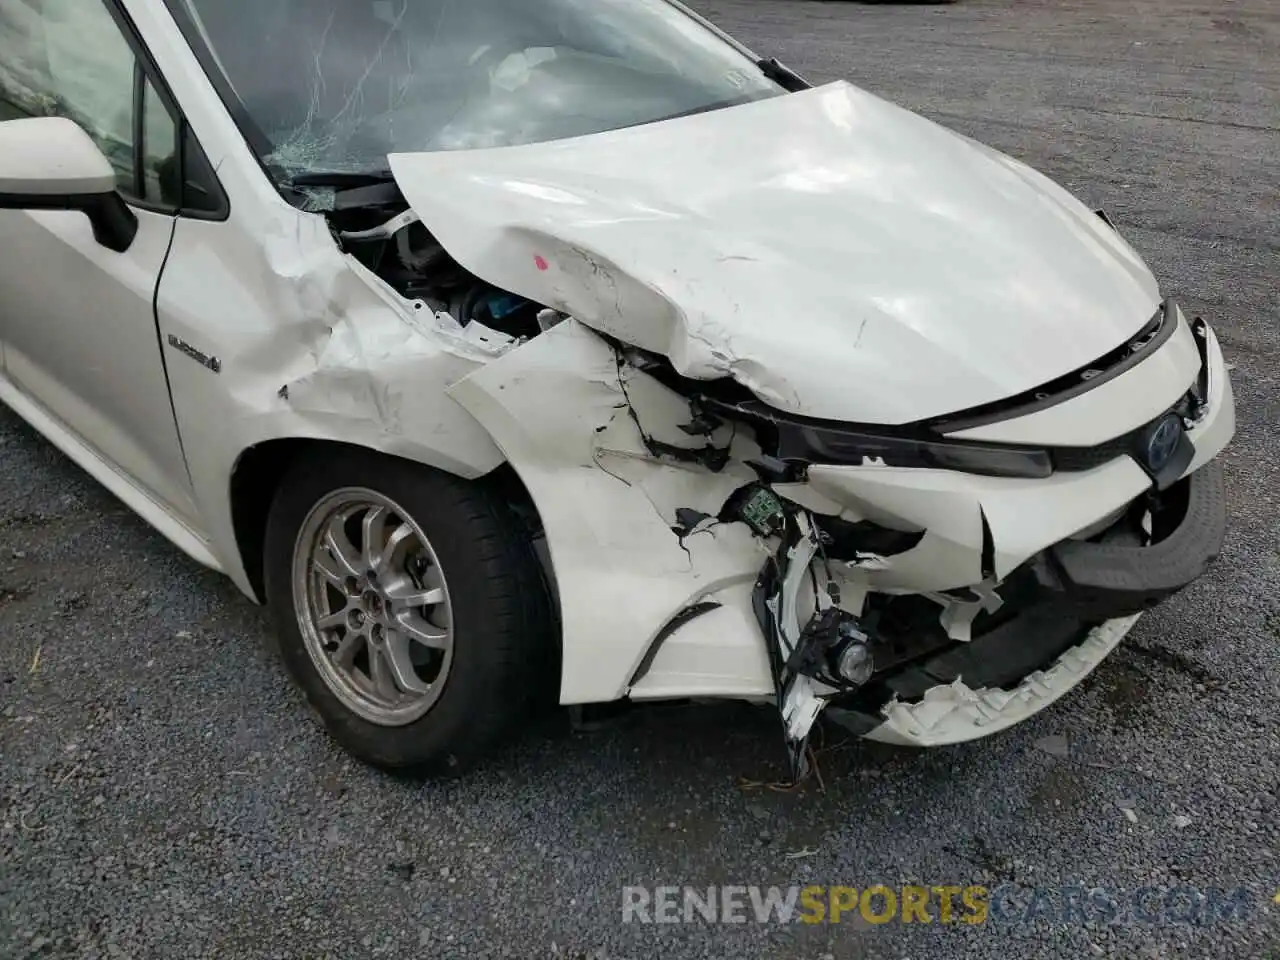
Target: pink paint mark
540, 262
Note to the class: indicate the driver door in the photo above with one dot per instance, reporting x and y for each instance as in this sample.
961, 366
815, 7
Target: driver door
77, 321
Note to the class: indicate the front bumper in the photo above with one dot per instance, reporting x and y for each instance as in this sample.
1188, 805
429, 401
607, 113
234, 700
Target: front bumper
1116, 577
1077, 559
954, 712
1002, 676
1013, 520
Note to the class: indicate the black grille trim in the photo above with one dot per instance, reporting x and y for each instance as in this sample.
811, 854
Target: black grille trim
1079, 459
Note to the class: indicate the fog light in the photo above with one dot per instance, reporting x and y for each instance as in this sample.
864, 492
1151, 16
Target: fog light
855, 663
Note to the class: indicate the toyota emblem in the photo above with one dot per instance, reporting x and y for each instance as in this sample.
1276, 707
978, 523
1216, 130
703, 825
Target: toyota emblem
1163, 442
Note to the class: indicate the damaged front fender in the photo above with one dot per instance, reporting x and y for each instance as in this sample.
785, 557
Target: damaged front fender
663, 539
578, 427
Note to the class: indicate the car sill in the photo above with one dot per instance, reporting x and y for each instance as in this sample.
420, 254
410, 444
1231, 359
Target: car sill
53, 430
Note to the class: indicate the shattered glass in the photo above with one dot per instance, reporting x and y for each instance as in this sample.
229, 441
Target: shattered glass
336, 85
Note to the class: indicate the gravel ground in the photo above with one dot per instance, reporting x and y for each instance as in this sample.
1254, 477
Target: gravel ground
163, 792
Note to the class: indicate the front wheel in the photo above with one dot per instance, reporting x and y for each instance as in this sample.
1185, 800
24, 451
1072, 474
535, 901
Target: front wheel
408, 606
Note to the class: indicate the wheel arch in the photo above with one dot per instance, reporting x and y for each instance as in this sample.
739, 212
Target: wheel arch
259, 469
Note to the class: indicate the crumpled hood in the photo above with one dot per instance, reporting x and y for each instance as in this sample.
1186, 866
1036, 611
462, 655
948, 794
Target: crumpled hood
841, 256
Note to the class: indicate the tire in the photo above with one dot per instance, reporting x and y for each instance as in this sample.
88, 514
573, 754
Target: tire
496, 609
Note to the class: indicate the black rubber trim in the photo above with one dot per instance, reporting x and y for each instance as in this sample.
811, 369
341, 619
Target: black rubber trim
672, 625
1109, 366
988, 546
783, 75
1114, 579
139, 191
1003, 657
153, 76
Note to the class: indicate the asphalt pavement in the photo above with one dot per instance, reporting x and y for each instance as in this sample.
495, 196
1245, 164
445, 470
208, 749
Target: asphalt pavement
164, 792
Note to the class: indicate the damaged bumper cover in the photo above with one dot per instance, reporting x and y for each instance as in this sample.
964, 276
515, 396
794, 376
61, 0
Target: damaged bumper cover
1012, 671
954, 712
1065, 611
1023, 638
1116, 577
979, 599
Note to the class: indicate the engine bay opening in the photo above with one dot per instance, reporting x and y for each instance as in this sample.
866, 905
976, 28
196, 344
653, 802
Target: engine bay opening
405, 254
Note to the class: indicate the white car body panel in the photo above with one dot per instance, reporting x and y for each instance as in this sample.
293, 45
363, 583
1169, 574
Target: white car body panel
311, 347
78, 350
1089, 419
557, 409
267, 293
719, 654
838, 255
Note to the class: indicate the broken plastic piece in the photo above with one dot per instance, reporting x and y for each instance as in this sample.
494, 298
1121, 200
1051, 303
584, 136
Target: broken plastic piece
703, 423
777, 599
846, 540
954, 713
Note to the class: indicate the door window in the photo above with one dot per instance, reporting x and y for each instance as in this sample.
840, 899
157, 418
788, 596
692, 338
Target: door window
69, 58
66, 58
161, 179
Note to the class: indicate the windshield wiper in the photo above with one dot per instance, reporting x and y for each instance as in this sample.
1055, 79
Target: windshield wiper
351, 191
339, 180
783, 76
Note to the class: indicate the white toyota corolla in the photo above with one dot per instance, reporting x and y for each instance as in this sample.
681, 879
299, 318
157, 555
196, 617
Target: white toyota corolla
514, 346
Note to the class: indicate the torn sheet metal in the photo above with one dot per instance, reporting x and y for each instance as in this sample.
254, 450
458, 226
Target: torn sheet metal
573, 422
740, 260
371, 361
311, 346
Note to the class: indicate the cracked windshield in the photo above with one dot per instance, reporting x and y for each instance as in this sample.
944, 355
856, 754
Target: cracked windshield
335, 85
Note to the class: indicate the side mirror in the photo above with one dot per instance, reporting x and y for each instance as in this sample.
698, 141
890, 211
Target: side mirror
50, 163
